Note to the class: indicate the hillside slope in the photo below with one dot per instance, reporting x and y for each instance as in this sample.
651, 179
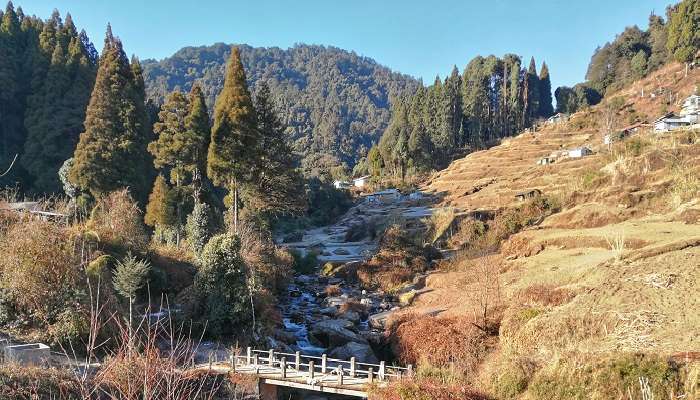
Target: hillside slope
616, 269
333, 101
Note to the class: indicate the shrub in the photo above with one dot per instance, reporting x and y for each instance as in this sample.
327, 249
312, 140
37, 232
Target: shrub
545, 295
425, 389
305, 264
512, 377
221, 287
618, 376
118, 222
130, 276
333, 290
200, 227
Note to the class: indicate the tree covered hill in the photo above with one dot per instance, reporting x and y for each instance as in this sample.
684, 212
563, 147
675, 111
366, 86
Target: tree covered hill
334, 103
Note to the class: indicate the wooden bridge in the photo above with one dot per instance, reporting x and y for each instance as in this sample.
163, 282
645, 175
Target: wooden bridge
313, 373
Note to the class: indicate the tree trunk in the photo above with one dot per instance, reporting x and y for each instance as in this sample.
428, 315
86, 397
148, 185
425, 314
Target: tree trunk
235, 206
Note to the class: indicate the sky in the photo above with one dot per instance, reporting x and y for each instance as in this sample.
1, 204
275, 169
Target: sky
418, 38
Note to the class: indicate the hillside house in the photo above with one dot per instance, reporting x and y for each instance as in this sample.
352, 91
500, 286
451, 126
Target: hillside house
557, 119
580, 152
689, 115
384, 196
361, 181
546, 160
342, 185
528, 195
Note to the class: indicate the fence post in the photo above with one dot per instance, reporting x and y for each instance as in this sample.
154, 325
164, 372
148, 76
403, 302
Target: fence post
323, 363
370, 375
311, 369
297, 361
210, 358
382, 370
271, 357
256, 360
340, 374
410, 370
352, 367
283, 365
249, 355
233, 363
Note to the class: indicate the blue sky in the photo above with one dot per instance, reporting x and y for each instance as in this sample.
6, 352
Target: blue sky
419, 38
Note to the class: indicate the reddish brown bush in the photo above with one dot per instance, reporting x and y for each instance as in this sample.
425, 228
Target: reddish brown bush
440, 342
353, 306
426, 390
544, 295
333, 290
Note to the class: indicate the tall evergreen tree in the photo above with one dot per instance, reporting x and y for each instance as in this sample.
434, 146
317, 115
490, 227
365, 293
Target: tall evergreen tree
684, 31
546, 108
234, 142
278, 187
111, 153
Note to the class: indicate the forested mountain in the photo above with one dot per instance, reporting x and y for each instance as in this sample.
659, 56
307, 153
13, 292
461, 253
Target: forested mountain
493, 98
334, 103
47, 70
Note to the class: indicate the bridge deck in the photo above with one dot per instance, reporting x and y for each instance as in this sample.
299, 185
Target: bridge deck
320, 374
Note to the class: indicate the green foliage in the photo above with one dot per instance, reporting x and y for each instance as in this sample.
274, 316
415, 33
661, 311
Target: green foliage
160, 210
200, 227
684, 30
99, 266
570, 100
111, 153
493, 98
130, 276
221, 287
617, 376
47, 69
326, 203
335, 101
305, 264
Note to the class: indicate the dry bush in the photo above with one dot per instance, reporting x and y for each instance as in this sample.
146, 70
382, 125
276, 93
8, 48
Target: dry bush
454, 343
40, 270
685, 186
483, 291
333, 290
352, 305
118, 222
468, 231
272, 266
546, 295
425, 389
38, 383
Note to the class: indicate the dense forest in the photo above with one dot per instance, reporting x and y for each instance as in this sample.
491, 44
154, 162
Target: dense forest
493, 98
634, 53
47, 70
333, 103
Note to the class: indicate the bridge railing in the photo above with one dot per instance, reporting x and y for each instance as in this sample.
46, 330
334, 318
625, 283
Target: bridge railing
317, 367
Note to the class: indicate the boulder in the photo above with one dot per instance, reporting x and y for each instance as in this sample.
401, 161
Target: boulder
361, 351
336, 301
334, 333
330, 311
351, 316
378, 321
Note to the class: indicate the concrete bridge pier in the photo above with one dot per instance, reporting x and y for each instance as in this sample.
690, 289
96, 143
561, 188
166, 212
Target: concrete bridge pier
266, 391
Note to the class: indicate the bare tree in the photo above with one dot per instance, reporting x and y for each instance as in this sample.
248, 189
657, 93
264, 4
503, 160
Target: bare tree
485, 290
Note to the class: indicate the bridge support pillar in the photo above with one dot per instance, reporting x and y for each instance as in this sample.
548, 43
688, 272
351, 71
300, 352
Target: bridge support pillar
266, 392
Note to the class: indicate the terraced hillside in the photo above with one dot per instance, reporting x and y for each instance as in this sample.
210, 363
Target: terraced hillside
614, 270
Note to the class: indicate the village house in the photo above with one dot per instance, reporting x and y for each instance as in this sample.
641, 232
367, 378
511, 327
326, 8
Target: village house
361, 181
579, 152
689, 115
384, 196
342, 184
557, 119
546, 160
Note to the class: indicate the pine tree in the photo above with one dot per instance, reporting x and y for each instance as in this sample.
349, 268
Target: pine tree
546, 108
198, 128
278, 187
160, 210
532, 93
11, 113
111, 153
684, 31
231, 159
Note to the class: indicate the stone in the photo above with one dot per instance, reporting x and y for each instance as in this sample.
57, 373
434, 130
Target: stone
331, 311
351, 316
378, 321
334, 333
362, 352
336, 301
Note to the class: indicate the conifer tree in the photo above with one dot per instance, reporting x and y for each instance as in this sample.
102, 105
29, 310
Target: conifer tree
532, 93
546, 108
11, 127
278, 187
234, 137
111, 153
684, 31
159, 210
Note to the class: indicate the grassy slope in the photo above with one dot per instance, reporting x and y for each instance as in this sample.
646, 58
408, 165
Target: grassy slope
643, 297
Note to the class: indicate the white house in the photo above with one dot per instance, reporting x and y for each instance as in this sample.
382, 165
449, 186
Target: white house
384, 196
361, 181
670, 122
557, 118
690, 109
580, 152
341, 185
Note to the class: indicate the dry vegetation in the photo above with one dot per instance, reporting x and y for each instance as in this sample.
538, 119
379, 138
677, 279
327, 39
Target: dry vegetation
594, 287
